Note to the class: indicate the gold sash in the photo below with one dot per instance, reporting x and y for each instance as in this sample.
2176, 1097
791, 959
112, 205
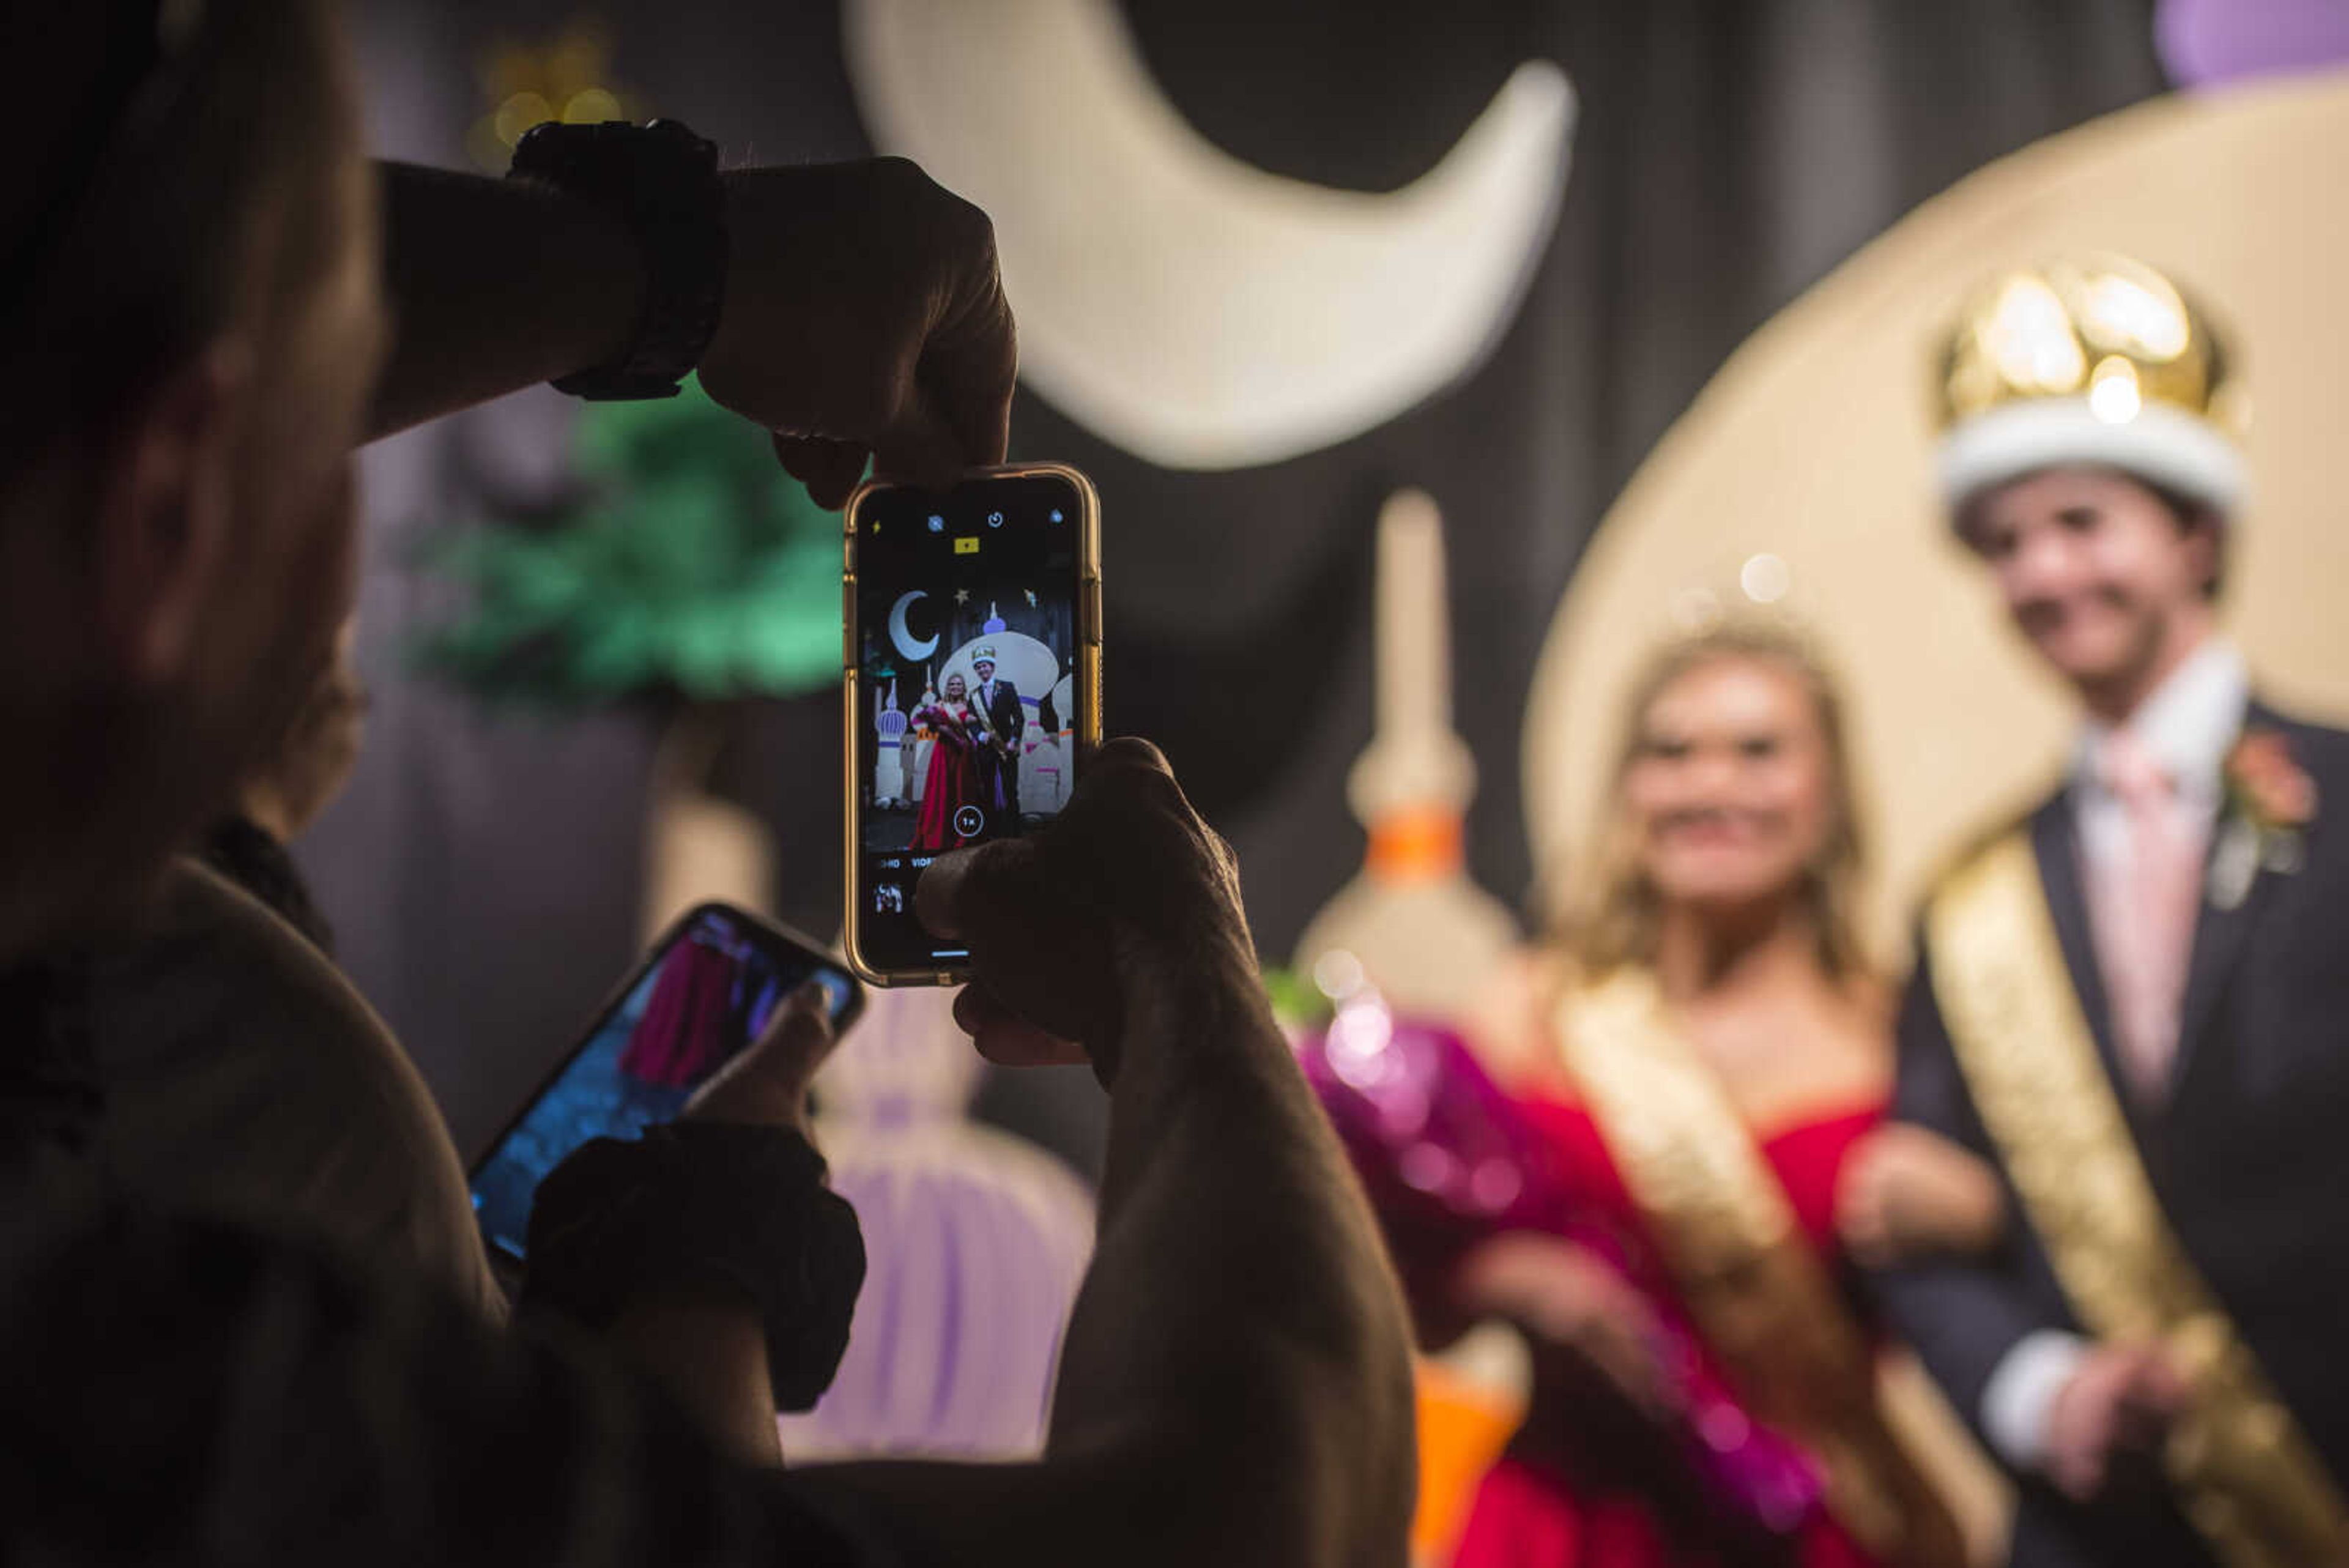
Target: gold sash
2245, 1473
1751, 1284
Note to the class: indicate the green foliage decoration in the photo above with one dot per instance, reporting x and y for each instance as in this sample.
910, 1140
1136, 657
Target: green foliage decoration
690, 565
1296, 1002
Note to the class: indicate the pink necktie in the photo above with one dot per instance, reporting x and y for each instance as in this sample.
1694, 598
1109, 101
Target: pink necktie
2145, 914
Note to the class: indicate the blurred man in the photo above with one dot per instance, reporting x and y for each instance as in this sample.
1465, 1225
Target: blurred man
2133, 997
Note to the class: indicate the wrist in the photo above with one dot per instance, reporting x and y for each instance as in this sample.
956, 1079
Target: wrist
659, 184
601, 288
621, 1225
1187, 1002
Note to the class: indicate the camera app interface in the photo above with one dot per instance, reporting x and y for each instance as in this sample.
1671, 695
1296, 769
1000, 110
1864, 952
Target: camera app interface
704, 997
966, 611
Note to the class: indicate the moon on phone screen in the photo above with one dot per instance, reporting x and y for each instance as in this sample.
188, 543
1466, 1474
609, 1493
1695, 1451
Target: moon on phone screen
902, 636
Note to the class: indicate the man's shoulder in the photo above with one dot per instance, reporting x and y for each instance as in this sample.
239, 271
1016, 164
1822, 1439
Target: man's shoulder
214, 962
244, 1076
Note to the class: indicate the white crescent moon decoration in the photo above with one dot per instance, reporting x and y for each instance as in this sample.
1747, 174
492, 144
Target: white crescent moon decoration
902, 636
1193, 308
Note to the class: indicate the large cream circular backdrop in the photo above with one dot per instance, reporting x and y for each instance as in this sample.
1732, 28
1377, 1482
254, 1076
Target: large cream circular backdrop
1812, 447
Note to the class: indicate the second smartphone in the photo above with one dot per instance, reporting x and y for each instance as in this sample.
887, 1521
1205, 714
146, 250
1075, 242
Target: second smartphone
705, 992
973, 655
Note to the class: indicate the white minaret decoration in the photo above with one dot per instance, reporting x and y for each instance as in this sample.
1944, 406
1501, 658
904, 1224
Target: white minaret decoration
1420, 929
922, 738
889, 787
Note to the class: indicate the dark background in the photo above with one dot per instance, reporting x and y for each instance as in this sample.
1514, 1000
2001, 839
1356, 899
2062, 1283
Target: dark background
485, 870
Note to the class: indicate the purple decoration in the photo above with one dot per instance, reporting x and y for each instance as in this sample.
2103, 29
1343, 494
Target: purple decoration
975, 1243
2205, 43
1450, 1160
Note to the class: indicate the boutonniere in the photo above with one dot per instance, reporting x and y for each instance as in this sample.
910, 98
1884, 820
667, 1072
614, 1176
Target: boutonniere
2271, 800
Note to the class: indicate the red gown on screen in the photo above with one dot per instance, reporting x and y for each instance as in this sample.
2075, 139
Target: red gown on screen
684, 1034
952, 780
1532, 1510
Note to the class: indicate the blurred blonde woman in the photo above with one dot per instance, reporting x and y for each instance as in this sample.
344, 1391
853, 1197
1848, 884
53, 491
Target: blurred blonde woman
1708, 1058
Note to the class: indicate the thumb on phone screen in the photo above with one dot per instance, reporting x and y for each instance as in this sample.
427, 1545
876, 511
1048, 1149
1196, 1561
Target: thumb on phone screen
768, 1084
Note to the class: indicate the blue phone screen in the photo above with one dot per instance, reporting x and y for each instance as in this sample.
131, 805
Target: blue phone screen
703, 995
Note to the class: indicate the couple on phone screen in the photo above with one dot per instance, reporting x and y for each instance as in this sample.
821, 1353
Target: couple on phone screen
975, 761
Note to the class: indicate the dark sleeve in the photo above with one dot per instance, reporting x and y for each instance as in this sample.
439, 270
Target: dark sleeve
1961, 1314
167, 1385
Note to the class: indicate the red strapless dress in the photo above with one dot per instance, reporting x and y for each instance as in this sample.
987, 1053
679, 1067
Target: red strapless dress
1527, 1514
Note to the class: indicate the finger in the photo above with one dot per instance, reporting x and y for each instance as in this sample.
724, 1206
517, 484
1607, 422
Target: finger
1131, 767
1130, 752
921, 449
2152, 1401
830, 469
768, 1084
980, 889
971, 363
798, 1032
2163, 1383
1009, 1040
938, 892
796, 1040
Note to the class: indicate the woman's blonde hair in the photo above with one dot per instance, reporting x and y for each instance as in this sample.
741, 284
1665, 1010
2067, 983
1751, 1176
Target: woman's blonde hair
1614, 915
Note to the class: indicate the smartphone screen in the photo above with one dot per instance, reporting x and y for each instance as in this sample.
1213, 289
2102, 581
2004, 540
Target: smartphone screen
973, 684
707, 991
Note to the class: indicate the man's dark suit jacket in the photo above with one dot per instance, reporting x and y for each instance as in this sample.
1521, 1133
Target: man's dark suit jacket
1005, 714
1009, 721
2249, 1157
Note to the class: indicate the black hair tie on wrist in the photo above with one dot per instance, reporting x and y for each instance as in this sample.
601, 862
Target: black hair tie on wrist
702, 1203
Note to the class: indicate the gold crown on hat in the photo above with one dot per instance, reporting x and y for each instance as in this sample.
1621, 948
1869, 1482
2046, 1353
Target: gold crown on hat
2074, 328
2096, 358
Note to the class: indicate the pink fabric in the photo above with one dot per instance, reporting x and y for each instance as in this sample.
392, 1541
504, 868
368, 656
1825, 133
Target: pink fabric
677, 1041
1531, 1514
2144, 913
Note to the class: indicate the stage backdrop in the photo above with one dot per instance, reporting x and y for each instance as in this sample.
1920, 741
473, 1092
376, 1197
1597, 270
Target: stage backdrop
1802, 474
1719, 157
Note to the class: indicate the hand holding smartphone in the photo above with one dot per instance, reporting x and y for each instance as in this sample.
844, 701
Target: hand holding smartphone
972, 676
703, 994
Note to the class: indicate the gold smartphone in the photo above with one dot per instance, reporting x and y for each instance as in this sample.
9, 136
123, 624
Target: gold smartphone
972, 663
